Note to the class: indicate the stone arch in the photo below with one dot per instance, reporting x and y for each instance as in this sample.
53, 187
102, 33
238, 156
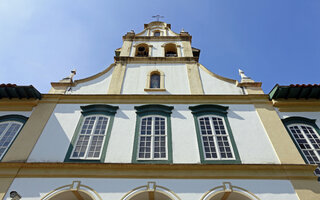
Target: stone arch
73, 191
142, 50
229, 192
150, 191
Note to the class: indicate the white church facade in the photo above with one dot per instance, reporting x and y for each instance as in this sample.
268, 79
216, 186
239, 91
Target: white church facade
158, 125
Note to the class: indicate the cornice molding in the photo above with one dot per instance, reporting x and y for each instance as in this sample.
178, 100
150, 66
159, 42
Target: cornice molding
155, 99
182, 171
155, 60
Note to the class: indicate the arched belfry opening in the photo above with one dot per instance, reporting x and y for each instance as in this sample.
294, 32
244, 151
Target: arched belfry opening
170, 50
142, 50
229, 192
151, 191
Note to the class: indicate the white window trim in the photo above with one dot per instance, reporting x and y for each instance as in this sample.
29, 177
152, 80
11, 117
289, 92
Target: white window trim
5, 131
306, 138
90, 139
152, 138
215, 138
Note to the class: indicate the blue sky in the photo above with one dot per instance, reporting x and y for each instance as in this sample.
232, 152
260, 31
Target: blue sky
273, 41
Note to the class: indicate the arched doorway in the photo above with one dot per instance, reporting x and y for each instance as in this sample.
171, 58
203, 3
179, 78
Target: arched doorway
151, 191
73, 191
229, 192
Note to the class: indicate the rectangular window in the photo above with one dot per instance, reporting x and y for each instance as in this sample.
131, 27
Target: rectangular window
152, 138
91, 138
215, 138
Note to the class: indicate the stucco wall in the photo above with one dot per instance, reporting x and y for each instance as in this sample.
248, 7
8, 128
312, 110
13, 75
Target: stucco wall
175, 78
99, 85
213, 85
23, 113
186, 189
251, 140
309, 115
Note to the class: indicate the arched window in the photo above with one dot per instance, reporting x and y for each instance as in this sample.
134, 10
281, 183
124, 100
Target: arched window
305, 135
10, 126
155, 80
156, 33
142, 50
170, 50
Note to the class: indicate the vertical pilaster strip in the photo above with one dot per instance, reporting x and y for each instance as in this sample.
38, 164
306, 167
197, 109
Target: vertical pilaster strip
4, 186
306, 189
27, 138
179, 50
194, 79
117, 79
280, 139
125, 49
187, 50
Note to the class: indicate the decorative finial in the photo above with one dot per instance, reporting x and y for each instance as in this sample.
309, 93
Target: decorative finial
69, 78
132, 31
182, 30
158, 17
244, 78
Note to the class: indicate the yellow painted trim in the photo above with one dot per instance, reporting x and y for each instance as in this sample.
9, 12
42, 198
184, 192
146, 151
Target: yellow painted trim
94, 76
218, 76
195, 83
278, 135
28, 136
126, 48
186, 47
166, 99
254, 90
307, 189
16, 104
151, 191
117, 79
4, 186
228, 191
161, 81
180, 171
69, 188
301, 105
155, 60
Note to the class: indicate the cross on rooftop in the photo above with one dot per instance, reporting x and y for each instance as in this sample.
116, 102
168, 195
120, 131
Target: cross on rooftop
158, 17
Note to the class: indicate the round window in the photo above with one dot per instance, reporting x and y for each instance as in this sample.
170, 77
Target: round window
141, 49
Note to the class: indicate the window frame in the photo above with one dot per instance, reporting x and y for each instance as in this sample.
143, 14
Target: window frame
153, 110
211, 110
11, 119
148, 81
89, 111
295, 120
90, 137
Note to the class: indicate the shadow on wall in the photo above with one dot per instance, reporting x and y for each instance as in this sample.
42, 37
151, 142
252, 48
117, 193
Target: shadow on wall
55, 139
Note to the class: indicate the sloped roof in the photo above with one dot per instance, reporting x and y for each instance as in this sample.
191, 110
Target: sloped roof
296, 91
14, 91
